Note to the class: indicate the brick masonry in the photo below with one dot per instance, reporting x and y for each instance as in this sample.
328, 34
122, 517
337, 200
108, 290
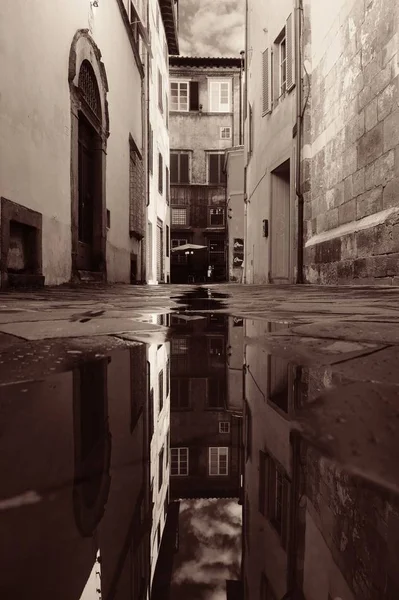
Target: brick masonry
354, 139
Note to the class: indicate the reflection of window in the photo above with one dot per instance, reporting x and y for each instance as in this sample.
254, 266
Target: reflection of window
224, 426
218, 461
179, 216
274, 488
179, 346
160, 469
216, 174
179, 167
179, 461
216, 252
278, 382
160, 388
219, 95
216, 346
179, 95
225, 133
180, 396
216, 217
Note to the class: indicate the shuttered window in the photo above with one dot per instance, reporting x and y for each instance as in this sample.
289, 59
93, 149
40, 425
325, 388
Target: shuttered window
160, 91
150, 148
266, 82
216, 176
160, 173
194, 95
290, 49
179, 167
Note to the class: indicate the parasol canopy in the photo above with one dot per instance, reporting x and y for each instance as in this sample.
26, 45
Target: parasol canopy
187, 247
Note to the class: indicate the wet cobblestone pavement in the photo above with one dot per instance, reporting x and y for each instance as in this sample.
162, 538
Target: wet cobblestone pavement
181, 442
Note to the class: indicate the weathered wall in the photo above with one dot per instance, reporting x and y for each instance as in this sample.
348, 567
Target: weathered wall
158, 208
35, 121
352, 206
272, 136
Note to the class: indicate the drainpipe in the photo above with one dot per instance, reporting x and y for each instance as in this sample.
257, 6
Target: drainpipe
245, 168
299, 123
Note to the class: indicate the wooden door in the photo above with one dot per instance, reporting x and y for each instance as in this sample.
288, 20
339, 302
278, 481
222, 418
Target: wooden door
86, 195
280, 226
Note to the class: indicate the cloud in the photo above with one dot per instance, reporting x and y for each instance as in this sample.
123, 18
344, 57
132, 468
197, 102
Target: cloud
209, 548
211, 28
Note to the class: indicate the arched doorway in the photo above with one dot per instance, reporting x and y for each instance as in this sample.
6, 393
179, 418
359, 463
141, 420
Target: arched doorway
89, 133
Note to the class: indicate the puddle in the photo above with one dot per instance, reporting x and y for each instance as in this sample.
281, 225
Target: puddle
202, 298
218, 461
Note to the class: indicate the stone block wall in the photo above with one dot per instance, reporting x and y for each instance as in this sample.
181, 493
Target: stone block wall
351, 192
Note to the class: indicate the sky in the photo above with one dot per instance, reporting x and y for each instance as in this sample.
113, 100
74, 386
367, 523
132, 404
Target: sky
209, 549
211, 27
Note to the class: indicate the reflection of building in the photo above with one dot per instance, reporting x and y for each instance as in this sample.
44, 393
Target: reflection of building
87, 455
77, 212
235, 212
204, 434
311, 530
162, 30
204, 121
158, 373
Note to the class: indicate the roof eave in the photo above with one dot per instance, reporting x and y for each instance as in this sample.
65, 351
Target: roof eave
170, 25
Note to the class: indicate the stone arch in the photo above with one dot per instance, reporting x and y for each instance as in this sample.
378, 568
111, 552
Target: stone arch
88, 224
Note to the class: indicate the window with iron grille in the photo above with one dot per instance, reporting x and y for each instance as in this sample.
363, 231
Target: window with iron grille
216, 217
216, 174
224, 426
179, 167
136, 194
218, 461
179, 461
179, 216
160, 173
87, 84
216, 252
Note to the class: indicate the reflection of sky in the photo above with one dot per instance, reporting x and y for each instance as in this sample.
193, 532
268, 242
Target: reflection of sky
209, 549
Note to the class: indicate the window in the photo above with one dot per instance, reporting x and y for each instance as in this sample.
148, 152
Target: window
179, 167
265, 83
160, 173
178, 461
216, 393
184, 96
160, 390
218, 461
150, 148
179, 345
216, 175
274, 495
180, 394
216, 347
216, 217
179, 95
219, 93
216, 252
160, 91
160, 469
178, 257
283, 64
179, 216
167, 241
225, 133
224, 426
167, 110
136, 192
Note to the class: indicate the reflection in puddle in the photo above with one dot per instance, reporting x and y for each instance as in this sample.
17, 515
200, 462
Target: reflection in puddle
209, 463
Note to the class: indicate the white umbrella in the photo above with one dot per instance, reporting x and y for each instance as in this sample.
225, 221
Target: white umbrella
187, 247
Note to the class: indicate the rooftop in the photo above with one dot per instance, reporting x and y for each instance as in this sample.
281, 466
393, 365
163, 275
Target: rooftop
205, 61
169, 13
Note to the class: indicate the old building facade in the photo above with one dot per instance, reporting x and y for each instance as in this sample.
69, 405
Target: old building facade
162, 28
73, 154
205, 105
322, 156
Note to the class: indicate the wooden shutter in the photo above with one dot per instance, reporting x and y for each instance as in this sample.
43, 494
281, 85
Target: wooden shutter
150, 148
174, 170
265, 82
194, 95
214, 168
160, 90
290, 40
184, 174
160, 173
